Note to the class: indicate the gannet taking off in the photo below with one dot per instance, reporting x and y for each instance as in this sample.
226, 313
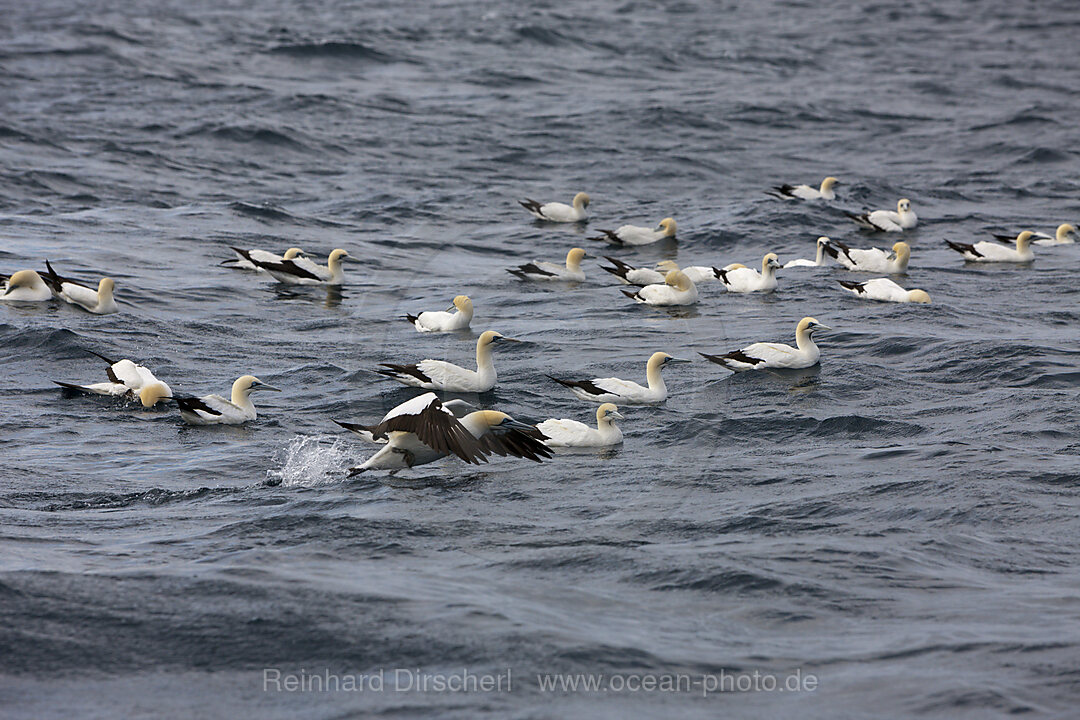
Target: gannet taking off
216, 410
805, 192
301, 271
886, 220
987, 251
559, 212
873, 260
885, 290
241, 261
571, 433
127, 380
624, 391
1065, 235
637, 235
539, 270
818, 261
760, 356
441, 375
98, 302
25, 286
423, 430
677, 289
448, 321
741, 279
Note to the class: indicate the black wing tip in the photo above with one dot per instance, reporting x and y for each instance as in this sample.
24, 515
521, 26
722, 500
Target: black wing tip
852, 285
517, 273
68, 386
564, 383
631, 295
411, 318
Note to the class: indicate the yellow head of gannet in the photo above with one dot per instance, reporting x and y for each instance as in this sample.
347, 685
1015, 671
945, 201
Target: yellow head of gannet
769, 261
574, 258
903, 205
463, 303
668, 226
918, 296
1023, 240
808, 326
1063, 231
24, 279
678, 280
292, 253
153, 393
667, 265
827, 184
105, 289
902, 250
607, 414
247, 384
581, 201
334, 261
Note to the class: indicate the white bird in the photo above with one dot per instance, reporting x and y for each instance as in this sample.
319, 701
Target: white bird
805, 192
441, 375
637, 235
873, 260
127, 380
301, 271
216, 410
761, 355
444, 321
818, 261
242, 261
539, 270
677, 289
459, 408
25, 286
571, 433
1065, 235
741, 279
424, 429
559, 212
624, 391
98, 302
886, 220
987, 251
698, 273
885, 290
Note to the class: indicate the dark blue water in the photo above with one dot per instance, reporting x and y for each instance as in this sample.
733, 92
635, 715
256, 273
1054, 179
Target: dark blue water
900, 523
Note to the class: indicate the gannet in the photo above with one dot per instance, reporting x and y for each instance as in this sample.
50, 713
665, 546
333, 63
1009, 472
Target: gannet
25, 286
423, 430
624, 391
776, 355
886, 220
559, 212
571, 433
805, 192
819, 261
459, 408
448, 321
127, 380
741, 279
987, 251
873, 260
631, 275
698, 273
241, 261
885, 290
216, 410
637, 235
539, 270
1065, 235
301, 271
441, 375
98, 302
677, 289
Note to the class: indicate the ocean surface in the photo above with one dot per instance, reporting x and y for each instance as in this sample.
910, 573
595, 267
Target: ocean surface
900, 523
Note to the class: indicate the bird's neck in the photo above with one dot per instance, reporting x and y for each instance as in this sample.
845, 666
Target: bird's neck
334, 266
820, 259
804, 340
766, 270
242, 399
484, 364
655, 378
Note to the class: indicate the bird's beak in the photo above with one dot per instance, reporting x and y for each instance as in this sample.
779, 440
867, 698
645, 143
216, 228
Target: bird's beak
616, 414
677, 360
264, 386
819, 326
350, 258
503, 338
516, 424
452, 308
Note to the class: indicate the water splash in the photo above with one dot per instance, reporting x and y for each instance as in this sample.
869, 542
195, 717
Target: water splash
309, 461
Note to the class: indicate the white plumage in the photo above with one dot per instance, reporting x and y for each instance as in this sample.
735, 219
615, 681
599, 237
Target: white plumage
806, 192
544, 271
559, 212
637, 235
216, 410
904, 218
885, 290
677, 289
873, 260
818, 261
571, 433
762, 355
741, 279
98, 302
1065, 235
245, 259
442, 375
625, 391
987, 251
302, 271
456, 317
25, 286
127, 380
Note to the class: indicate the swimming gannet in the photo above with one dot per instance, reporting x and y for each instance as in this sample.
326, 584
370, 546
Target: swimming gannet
448, 321
25, 286
571, 433
885, 290
763, 355
873, 260
886, 220
1065, 235
242, 261
98, 302
216, 410
539, 270
559, 212
637, 235
677, 289
741, 279
805, 192
615, 390
423, 430
441, 375
631, 275
302, 271
987, 251
127, 380
819, 261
